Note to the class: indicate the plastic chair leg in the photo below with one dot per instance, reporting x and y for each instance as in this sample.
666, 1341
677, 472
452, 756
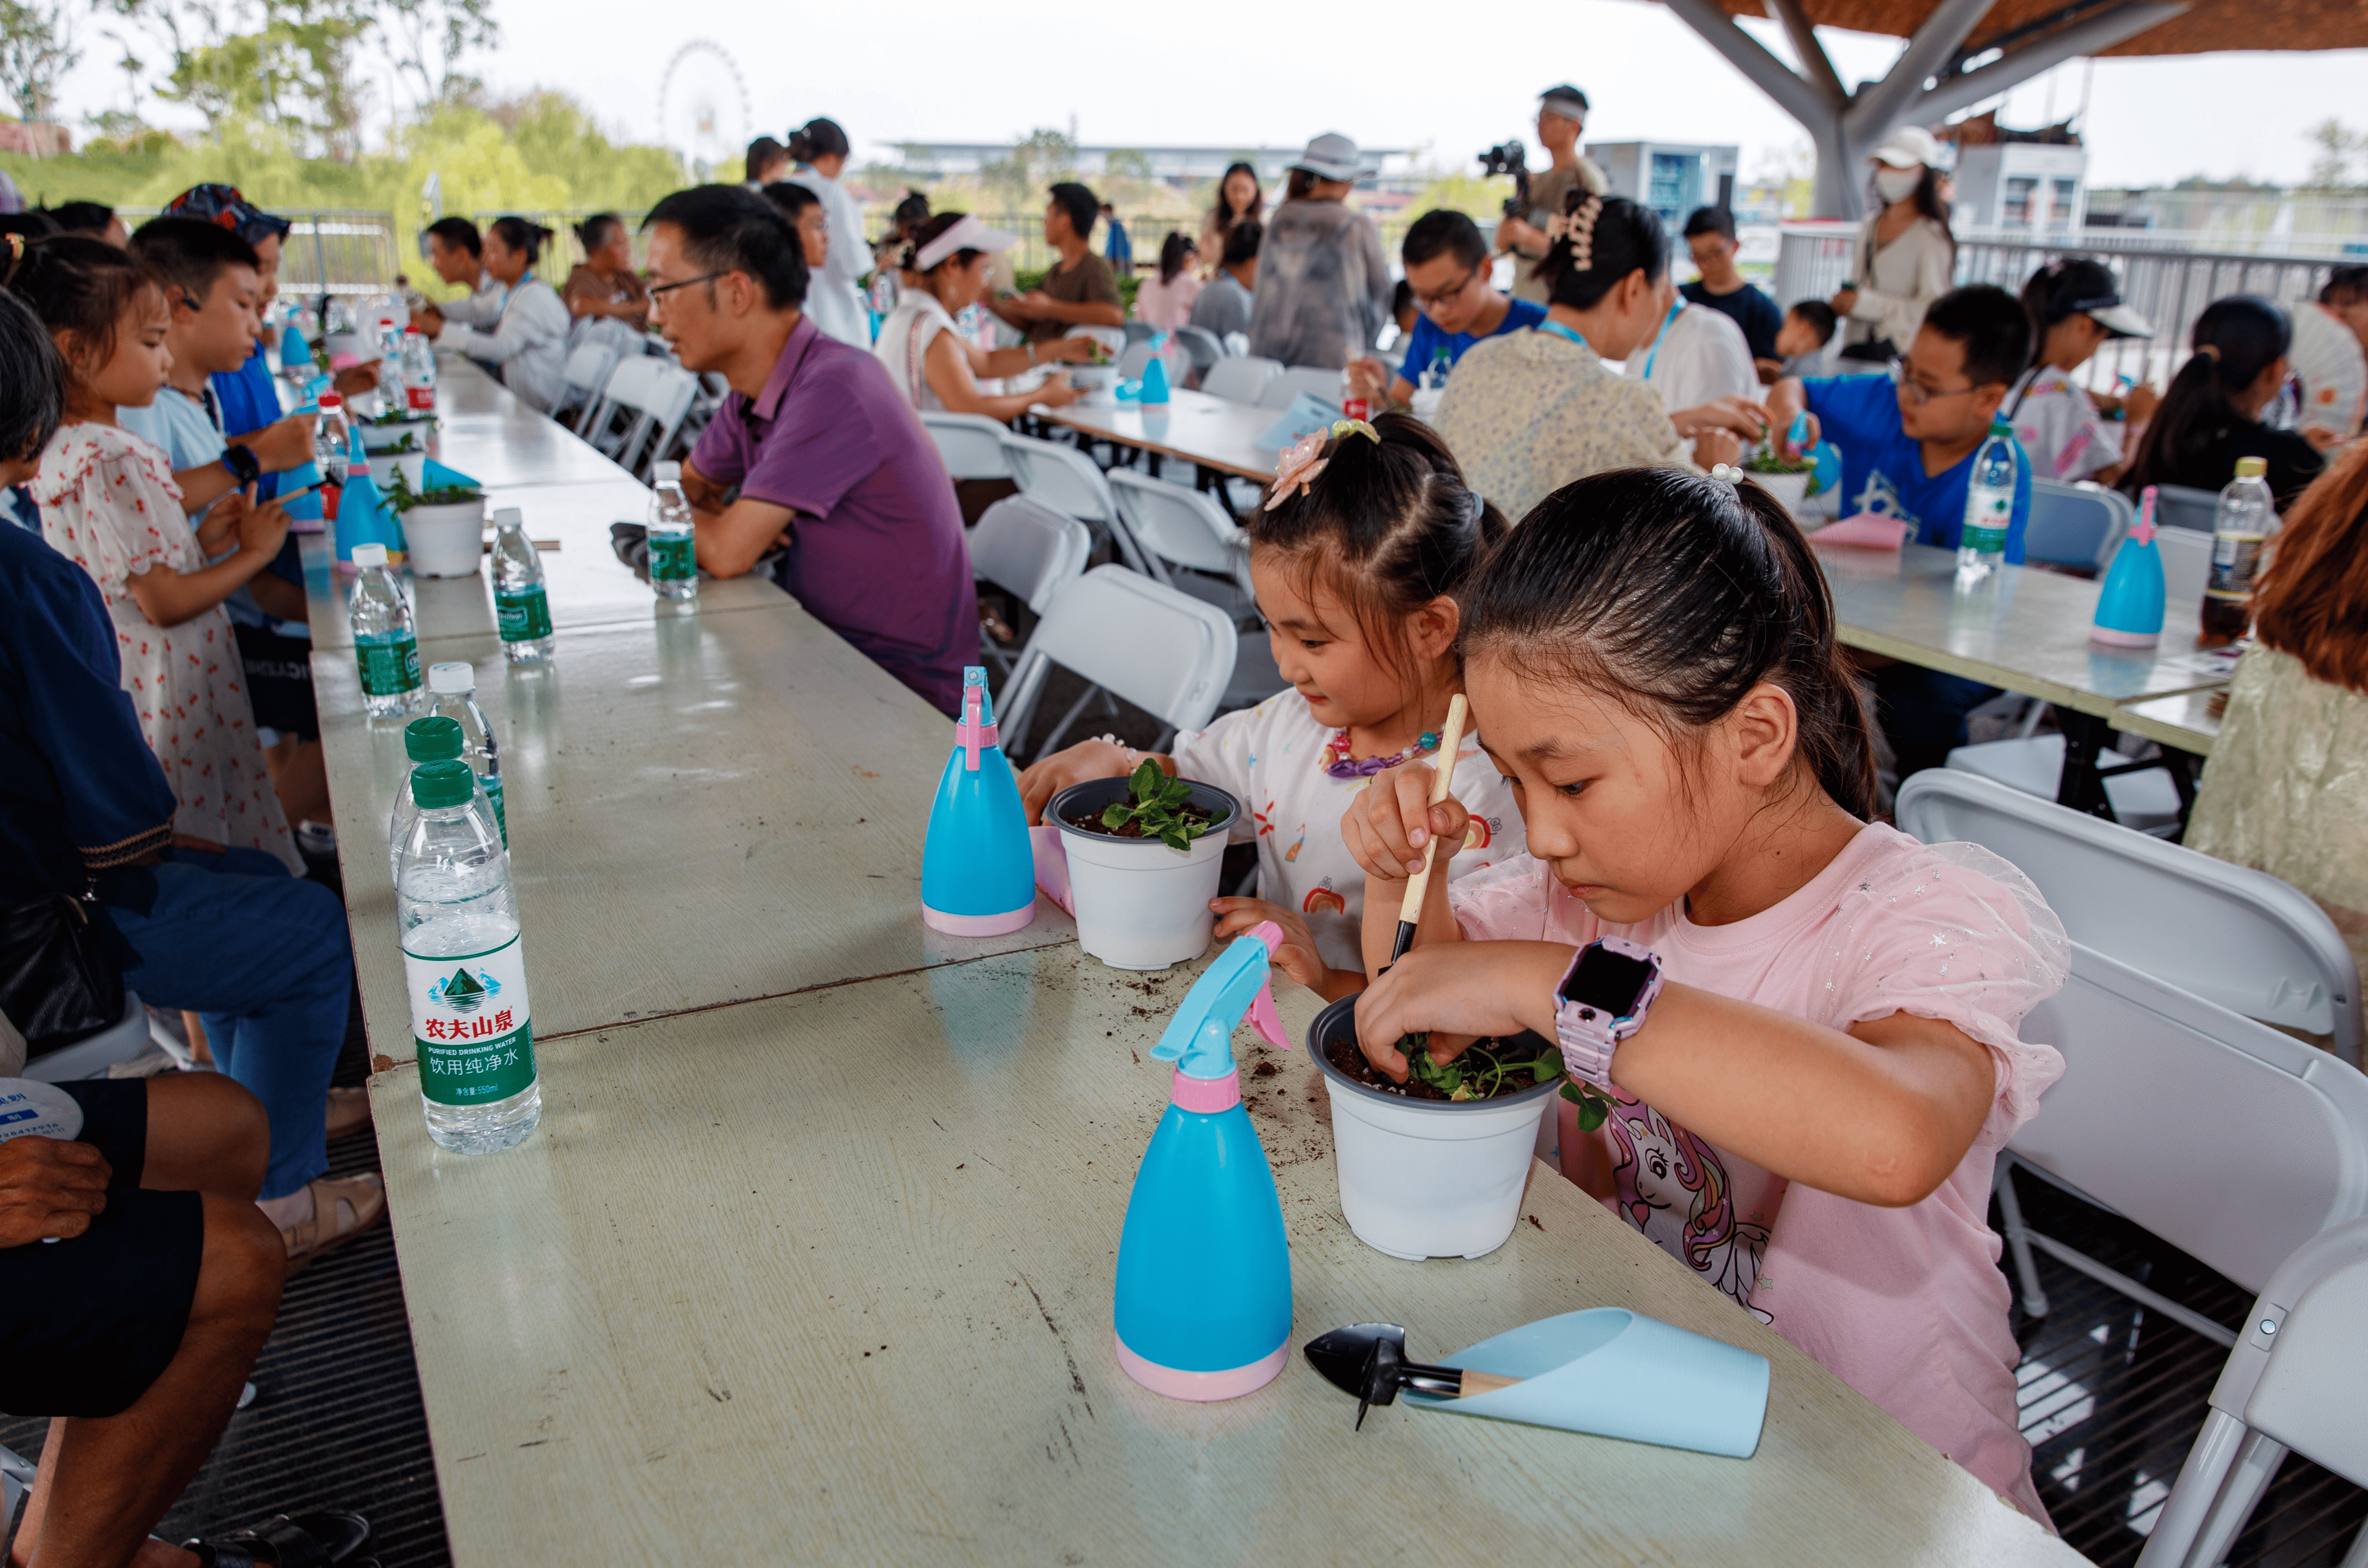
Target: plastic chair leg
2017, 1239
2358, 1556
2191, 1497
2256, 1465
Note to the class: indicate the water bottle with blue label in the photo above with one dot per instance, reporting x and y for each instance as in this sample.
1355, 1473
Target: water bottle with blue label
386, 644
674, 555
1989, 505
464, 968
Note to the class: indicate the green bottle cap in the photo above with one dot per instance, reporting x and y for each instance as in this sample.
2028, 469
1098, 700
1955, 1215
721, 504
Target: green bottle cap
436, 738
448, 783
2002, 427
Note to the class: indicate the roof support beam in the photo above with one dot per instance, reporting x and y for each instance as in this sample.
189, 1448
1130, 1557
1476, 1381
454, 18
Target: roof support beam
1875, 110
1803, 36
2094, 36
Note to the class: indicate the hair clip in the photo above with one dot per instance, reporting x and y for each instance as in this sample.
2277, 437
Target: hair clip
1299, 469
1346, 426
1728, 475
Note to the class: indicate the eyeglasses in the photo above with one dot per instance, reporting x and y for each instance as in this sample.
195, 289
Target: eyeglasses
1447, 296
657, 288
1917, 392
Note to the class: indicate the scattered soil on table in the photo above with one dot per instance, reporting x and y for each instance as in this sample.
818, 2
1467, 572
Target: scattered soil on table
1264, 1070
1195, 817
1344, 1054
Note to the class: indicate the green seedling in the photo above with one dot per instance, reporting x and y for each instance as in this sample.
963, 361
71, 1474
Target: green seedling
1157, 809
1488, 1066
402, 498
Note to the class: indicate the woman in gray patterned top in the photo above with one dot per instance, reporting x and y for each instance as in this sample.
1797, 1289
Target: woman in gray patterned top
1323, 280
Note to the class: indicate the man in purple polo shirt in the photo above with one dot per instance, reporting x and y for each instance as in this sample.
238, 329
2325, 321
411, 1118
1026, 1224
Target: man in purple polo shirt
813, 449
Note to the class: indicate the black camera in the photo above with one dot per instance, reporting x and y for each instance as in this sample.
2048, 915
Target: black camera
1511, 158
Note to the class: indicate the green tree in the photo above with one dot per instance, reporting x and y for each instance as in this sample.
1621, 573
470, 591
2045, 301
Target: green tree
1042, 157
2339, 148
35, 49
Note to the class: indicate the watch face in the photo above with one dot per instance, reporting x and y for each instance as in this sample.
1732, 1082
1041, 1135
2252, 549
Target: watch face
1608, 982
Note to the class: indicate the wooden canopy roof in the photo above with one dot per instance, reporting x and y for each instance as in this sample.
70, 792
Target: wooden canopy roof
2206, 25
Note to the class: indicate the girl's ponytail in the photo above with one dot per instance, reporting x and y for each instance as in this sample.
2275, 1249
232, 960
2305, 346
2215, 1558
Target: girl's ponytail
1675, 595
2235, 340
79, 286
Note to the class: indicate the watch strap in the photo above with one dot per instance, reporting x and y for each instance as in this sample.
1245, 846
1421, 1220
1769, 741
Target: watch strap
1584, 1033
242, 463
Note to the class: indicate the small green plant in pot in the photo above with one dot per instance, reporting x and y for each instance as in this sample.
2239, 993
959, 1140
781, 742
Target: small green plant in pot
1145, 854
1489, 1068
1159, 808
444, 524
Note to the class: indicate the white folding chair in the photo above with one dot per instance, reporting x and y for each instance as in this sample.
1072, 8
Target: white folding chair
1202, 346
2188, 509
1030, 551
1067, 480
1199, 549
1138, 354
1158, 648
657, 394
16, 1479
2237, 937
2145, 800
2231, 1141
1240, 378
971, 444
2070, 524
2295, 1383
589, 364
126, 1040
1284, 389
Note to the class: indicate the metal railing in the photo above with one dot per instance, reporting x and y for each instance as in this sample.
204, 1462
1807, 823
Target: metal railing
2170, 288
331, 250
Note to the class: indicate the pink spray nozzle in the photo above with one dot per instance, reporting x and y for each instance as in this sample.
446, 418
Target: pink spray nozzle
1262, 1014
2144, 530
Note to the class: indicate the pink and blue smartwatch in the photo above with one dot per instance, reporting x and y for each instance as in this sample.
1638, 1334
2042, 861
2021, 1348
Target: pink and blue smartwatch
1602, 1000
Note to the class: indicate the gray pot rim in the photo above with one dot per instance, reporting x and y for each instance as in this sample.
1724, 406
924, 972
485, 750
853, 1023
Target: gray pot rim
1329, 1022
1101, 791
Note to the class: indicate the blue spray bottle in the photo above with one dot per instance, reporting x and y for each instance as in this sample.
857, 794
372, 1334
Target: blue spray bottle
978, 870
2129, 606
1203, 1300
1155, 395
362, 516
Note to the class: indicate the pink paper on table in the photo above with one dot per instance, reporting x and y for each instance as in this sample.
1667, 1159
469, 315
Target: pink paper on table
1051, 867
1867, 531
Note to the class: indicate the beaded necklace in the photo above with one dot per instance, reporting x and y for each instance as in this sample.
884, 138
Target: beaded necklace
1339, 764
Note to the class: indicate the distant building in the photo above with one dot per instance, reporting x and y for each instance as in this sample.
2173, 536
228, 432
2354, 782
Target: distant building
1670, 177
1171, 166
2031, 180
39, 139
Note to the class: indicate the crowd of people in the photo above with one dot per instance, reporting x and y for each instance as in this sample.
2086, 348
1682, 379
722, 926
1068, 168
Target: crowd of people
1540, 514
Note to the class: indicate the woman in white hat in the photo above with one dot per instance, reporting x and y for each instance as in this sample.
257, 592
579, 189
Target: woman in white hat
953, 257
1323, 281
1905, 258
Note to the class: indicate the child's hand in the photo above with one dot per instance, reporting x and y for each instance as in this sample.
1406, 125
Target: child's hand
1297, 957
283, 445
1386, 826
263, 528
1458, 994
219, 531
1071, 765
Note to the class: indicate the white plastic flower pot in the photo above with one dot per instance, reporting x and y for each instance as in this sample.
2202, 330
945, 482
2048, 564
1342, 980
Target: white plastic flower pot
1140, 905
413, 464
1791, 490
377, 439
1427, 1178
1098, 382
446, 541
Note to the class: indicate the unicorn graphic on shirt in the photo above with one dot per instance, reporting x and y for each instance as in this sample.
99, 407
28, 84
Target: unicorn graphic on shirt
1670, 1186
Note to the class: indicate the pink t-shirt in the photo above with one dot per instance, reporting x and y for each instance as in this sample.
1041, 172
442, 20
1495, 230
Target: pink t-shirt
1906, 1305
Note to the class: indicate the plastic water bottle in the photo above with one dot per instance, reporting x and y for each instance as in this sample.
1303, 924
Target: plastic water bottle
2240, 526
520, 604
390, 349
434, 737
418, 371
674, 559
452, 689
329, 441
386, 642
1989, 505
464, 967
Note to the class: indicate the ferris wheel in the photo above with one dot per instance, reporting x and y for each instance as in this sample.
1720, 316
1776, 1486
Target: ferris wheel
703, 114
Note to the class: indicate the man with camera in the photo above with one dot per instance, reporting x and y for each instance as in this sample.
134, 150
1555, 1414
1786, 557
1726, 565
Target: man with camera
1561, 115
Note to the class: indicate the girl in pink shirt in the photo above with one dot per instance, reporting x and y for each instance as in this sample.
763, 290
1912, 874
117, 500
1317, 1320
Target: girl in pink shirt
1808, 1114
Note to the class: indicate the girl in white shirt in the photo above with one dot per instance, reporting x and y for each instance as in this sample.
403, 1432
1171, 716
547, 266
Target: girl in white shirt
527, 344
953, 257
2074, 307
1359, 554
833, 299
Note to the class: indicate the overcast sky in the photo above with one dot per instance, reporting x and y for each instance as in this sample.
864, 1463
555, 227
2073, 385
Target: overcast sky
1246, 72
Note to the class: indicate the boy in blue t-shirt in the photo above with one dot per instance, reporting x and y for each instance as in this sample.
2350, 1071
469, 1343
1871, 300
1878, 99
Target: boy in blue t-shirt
1447, 267
1907, 443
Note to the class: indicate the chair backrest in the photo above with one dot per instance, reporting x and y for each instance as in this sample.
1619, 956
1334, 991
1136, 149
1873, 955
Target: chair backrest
2069, 523
971, 444
1130, 363
1061, 477
2309, 1387
2236, 937
2177, 506
1202, 344
91, 1056
2185, 567
1157, 647
1138, 332
588, 365
1240, 377
2228, 1140
658, 393
1179, 525
1027, 548
1285, 388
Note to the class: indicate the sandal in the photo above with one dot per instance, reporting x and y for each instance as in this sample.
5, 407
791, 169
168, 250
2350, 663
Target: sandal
350, 1204
349, 1112
306, 1540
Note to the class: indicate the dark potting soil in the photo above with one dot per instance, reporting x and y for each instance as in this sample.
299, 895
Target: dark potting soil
1193, 816
1475, 1060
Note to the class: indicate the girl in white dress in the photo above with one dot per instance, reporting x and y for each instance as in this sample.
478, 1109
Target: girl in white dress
108, 502
1359, 556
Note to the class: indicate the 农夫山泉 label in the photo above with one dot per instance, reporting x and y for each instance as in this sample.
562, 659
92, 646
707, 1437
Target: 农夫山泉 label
671, 558
390, 665
469, 1021
490, 783
524, 614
